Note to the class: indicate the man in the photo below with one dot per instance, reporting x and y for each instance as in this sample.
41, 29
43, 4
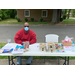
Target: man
23, 35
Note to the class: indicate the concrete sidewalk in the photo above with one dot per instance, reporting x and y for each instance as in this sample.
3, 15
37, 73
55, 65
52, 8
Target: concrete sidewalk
38, 62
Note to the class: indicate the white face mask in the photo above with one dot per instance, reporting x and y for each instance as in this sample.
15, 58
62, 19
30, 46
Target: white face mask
26, 28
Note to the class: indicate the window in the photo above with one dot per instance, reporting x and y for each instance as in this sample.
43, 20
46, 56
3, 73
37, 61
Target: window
27, 13
44, 13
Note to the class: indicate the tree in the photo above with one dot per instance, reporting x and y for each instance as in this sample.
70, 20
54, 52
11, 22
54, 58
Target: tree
64, 12
8, 13
56, 15
73, 12
5, 13
13, 13
68, 13
0, 13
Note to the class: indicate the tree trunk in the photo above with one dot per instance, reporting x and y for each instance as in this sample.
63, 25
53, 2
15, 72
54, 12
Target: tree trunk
56, 15
63, 12
68, 13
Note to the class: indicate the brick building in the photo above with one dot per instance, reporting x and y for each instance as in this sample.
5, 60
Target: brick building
37, 14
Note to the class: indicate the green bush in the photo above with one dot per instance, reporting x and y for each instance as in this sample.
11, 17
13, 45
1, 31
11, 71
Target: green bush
26, 19
18, 19
32, 19
61, 19
73, 13
0, 13
50, 20
64, 16
13, 13
0, 19
41, 19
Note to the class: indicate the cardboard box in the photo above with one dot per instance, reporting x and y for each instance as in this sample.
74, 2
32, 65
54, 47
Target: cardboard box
66, 44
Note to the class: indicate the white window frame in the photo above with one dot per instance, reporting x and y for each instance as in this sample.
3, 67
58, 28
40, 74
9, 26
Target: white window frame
29, 13
46, 13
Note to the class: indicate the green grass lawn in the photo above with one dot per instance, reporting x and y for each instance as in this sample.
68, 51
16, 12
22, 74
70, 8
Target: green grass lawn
14, 21
69, 21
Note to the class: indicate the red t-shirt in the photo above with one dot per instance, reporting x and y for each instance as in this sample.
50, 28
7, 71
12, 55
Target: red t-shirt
21, 36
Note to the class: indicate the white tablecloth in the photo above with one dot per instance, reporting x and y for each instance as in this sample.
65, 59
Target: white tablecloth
34, 51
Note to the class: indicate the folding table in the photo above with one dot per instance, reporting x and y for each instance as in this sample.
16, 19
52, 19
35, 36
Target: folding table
35, 51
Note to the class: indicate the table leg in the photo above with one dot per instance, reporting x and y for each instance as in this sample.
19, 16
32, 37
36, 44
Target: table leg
44, 59
58, 60
9, 59
65, 61
68, 61
12, 60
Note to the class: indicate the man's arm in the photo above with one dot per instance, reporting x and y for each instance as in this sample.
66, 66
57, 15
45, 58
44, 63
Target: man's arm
33, 39
17, 38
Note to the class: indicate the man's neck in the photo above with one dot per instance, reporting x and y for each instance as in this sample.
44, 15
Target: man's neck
27, 31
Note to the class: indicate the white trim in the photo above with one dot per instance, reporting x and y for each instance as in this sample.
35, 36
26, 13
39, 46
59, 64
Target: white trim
24, 13
46, 13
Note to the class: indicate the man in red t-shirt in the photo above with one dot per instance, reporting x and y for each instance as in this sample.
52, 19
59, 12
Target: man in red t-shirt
23, 35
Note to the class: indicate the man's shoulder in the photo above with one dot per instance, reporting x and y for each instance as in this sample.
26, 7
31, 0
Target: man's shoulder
32, 32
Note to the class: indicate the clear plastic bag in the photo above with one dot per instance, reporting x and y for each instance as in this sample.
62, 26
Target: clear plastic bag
26, 46
67, 39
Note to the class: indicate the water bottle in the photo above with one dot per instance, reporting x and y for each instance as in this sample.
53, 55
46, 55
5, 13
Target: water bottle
73, 47
9, 40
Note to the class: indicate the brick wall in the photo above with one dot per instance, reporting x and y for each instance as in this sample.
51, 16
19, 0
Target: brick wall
34, 13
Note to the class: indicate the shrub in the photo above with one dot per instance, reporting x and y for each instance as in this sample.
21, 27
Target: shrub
18, 19
32, 19
0, 19
26, 19
64, 16
50, 20
41, 19
61, 19
0, 14
73, 13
